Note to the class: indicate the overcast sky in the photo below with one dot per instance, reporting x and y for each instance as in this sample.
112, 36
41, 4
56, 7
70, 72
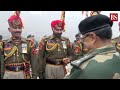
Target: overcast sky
38, 23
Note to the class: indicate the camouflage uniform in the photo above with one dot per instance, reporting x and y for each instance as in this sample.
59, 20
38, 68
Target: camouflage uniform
103, 63
102, 60
52, 51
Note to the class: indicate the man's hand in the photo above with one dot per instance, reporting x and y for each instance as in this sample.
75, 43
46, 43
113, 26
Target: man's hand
66, 60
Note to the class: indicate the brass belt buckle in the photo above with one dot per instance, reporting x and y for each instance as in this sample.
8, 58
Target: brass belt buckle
17, 68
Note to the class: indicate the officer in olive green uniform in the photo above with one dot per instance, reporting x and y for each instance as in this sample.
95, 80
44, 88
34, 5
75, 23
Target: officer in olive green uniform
18, 52
102, 60
77, 48
55, 52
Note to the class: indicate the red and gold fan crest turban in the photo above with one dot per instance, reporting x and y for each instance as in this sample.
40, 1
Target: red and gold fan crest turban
15, 20
59, 23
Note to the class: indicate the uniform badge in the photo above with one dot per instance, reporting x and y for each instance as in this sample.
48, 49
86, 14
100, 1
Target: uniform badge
7, 46
50, 41
24, 48
64, 45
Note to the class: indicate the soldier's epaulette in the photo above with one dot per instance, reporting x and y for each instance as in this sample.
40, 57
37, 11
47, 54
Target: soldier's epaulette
24, 39
48, 37
7, 40
78, 62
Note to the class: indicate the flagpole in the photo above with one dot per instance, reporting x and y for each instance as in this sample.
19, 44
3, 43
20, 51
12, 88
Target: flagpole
62, 17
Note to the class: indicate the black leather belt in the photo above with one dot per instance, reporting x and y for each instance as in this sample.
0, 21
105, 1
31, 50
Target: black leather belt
54, 61
14, 68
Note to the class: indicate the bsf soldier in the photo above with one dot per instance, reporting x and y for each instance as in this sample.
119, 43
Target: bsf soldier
102, 60
18, 55
77, 48
55, 52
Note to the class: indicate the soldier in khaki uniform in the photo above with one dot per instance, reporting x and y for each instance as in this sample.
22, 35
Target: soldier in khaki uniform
18, 54
55, 53
77, 48
102, 60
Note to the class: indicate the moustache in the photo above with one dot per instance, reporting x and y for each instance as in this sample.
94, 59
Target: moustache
17, 31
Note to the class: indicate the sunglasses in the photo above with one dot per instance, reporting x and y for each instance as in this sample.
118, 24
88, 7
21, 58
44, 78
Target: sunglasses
83, 38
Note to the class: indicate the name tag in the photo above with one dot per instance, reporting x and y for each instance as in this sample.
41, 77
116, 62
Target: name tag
24, 48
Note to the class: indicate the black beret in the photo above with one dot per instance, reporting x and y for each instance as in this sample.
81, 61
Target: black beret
94, 23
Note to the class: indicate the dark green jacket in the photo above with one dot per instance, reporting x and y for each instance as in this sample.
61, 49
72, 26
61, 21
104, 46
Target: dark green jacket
103, 63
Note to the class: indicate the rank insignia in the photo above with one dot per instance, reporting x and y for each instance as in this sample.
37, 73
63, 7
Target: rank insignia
24, 48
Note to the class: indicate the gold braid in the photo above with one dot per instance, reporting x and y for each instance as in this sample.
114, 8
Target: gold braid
53, 48
11, 53
24, 59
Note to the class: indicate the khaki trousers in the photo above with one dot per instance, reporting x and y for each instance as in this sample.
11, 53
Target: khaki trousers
13, 75
54, 71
